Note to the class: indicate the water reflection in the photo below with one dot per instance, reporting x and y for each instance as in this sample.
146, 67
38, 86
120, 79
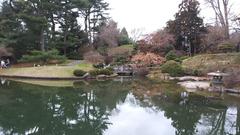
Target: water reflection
114, 108
130, 118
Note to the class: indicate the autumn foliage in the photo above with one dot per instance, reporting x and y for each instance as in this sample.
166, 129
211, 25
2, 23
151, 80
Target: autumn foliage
93, 57
148, 59
159, 42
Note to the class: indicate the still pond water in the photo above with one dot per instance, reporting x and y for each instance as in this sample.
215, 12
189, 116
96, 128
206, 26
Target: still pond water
136, 107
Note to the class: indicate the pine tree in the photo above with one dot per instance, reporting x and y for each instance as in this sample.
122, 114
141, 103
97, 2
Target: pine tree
187, 27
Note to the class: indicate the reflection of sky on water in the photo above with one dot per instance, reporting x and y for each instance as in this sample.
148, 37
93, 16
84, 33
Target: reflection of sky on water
214, 124
130, 118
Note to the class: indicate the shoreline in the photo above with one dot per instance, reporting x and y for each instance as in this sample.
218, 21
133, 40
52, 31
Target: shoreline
55, 78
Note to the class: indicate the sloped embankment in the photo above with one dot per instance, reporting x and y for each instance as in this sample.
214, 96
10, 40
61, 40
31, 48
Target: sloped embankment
212, 62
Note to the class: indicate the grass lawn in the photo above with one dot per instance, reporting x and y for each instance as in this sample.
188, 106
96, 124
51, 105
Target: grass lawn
208, 62
46, 71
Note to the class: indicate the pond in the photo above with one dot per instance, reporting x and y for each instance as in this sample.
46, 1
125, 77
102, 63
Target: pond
114, 107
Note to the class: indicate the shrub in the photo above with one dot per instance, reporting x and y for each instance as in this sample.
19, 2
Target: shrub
171, 55
173, 68
148, 59
45, 57
110, 69
193, 72
100, 72
98, 66
75, 56
93, 57
79, 73
121, 60
180, 59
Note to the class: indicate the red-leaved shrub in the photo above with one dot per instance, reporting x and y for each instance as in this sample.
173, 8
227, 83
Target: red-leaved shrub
148, 59
93, 57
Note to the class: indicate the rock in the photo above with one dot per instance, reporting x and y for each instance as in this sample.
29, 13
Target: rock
190, 78
195, 85
101, 76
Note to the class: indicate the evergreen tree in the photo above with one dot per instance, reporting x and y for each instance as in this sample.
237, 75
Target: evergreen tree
124, 38
28, 25
187, 27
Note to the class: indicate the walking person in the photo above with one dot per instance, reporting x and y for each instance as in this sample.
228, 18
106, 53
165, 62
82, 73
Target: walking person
3, 65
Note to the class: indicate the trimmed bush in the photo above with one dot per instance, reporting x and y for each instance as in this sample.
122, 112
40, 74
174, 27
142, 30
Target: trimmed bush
171, 55
45, 57
173, 68
121, 60
98, 66
100, 72
181, 59
79, 73
110, 69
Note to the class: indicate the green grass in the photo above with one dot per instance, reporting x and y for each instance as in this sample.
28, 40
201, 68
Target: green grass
85, 66
130, 46
46, 71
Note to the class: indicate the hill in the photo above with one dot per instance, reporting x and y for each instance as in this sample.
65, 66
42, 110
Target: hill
212, 62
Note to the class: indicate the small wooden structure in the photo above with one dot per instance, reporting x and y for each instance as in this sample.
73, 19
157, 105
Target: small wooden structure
217, 77
124, 70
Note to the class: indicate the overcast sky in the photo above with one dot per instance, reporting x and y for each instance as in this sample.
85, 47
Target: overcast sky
152, 15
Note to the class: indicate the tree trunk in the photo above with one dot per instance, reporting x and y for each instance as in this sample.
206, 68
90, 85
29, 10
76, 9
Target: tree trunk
86, 23
42, 41
53, 27
89, 28
226, 12
65, 43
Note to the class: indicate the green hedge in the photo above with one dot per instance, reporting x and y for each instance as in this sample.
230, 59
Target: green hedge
101, 72
173, 68
171, 55
45, 57
79, 73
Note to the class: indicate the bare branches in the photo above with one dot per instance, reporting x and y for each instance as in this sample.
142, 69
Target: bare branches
222, 9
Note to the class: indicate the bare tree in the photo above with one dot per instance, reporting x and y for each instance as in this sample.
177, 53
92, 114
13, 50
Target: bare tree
109, 34
237, 23
136, 34
222, 9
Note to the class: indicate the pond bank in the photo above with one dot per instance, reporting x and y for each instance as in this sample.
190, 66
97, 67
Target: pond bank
56, 78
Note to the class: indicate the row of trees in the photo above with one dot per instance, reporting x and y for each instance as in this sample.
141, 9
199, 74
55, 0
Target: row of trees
46, 24
188, 33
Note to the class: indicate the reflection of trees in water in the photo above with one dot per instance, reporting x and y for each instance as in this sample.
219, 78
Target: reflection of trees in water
200, 115
85, 109
48, 110
192, 114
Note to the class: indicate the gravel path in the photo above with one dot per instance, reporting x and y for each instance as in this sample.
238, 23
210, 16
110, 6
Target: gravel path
74, 63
